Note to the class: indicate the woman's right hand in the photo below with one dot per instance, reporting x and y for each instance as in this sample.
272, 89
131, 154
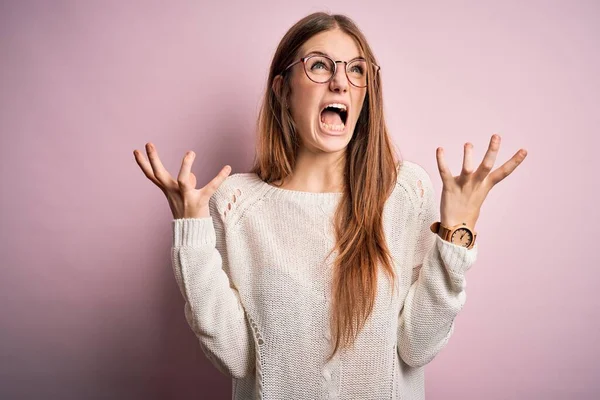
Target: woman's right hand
184, 199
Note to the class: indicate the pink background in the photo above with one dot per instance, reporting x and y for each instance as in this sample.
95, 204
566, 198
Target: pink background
89, 305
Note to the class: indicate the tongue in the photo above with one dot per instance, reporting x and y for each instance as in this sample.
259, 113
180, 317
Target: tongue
331, 117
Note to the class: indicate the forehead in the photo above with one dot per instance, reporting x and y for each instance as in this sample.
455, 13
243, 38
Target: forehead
335, 43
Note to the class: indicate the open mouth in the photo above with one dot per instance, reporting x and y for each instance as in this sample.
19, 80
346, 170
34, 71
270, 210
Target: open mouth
334, 118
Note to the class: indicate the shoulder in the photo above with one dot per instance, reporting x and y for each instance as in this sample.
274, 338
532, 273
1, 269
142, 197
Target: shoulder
237, 193
414, 180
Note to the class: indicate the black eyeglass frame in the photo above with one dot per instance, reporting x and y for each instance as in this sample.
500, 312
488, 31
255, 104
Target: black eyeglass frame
335, 63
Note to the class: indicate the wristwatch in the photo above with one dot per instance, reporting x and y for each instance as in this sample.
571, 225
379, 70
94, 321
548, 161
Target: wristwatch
459, 234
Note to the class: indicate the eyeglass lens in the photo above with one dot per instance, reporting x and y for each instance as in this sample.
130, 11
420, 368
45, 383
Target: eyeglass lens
320, 69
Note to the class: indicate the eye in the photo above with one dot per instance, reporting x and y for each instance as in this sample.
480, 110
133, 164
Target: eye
318, 63
357, 69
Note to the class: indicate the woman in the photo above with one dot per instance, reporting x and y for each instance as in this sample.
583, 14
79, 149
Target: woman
318, 274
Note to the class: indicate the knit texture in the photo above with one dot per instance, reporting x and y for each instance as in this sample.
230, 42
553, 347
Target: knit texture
256, 284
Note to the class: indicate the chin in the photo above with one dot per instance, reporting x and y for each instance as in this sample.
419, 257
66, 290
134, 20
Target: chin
331, 143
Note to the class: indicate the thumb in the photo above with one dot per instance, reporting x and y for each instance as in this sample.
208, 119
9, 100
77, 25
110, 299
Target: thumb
214, 184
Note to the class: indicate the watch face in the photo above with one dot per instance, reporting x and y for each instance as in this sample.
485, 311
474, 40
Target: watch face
462, 237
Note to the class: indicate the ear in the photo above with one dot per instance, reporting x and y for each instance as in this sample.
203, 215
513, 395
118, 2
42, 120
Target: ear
276, 86
277, 82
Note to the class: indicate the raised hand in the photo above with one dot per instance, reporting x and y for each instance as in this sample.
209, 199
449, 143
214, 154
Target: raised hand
184, 199
463, 195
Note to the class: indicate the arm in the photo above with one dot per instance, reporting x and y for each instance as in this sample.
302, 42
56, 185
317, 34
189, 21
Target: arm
213, 308
437, 292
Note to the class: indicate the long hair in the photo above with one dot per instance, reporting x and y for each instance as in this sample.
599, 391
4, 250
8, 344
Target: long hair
370, 176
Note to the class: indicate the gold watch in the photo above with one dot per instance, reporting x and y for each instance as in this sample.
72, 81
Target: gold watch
459, 234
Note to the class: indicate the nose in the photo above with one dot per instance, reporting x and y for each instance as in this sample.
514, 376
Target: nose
339, 81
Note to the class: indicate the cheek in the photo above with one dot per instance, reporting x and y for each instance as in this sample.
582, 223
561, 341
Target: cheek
301, 111
305, 104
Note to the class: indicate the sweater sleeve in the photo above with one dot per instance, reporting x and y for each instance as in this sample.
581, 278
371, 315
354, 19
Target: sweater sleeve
213, 308
437, 292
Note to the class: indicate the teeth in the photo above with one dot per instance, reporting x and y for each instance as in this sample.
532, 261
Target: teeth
333, 127
336, 105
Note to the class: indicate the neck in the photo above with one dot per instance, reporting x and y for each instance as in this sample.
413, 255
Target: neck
318, 172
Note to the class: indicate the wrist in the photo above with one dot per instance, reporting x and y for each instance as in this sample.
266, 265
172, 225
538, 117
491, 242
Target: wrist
449, 223
460, 234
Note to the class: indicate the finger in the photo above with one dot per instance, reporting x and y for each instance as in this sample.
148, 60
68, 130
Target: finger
489, 159
467, 167
146, 168
183, 179
192, 180
159, 170
213, 185
445, 173
508, 167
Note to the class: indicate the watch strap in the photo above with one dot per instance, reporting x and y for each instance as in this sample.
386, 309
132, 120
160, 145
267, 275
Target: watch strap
446, 232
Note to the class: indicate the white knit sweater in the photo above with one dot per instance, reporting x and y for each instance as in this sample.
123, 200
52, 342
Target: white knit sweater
256, 286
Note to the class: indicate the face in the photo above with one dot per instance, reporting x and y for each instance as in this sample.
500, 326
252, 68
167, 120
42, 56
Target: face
322, 131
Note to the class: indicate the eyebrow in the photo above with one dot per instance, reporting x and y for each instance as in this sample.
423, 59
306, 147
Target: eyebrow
320, 53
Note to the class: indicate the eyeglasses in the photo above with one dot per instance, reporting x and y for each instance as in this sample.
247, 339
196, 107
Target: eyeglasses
322, 69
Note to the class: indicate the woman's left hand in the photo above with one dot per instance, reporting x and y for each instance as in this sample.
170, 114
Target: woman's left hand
462, 196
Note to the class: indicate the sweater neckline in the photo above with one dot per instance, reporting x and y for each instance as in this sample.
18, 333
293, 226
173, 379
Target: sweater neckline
298, 193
